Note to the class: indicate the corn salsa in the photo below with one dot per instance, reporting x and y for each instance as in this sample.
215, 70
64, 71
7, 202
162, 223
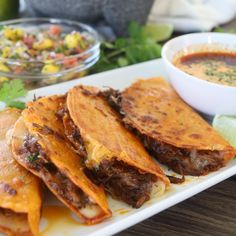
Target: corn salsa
45, 46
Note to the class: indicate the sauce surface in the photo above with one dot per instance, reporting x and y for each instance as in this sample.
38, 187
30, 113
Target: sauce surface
216, 67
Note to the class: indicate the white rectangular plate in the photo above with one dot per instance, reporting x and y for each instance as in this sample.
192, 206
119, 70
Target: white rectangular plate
60, 221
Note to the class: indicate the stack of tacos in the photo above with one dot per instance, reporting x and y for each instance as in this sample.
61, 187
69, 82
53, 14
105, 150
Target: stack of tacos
40, 145
89, 142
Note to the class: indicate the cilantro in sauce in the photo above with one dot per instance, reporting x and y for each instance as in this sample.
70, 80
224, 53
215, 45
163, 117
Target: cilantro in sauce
216, 67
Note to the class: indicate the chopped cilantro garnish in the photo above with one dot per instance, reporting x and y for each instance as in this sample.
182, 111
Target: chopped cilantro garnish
11, 91
33, 157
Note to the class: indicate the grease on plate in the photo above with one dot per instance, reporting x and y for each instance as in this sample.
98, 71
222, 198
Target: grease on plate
58, 219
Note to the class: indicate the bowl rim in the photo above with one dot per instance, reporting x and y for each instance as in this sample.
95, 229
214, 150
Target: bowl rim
95, 46
169, 63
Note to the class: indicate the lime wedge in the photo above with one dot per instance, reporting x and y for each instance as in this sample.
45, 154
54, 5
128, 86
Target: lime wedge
226, 126
158, 32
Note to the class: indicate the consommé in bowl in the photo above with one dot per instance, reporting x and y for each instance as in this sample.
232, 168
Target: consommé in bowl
207, 81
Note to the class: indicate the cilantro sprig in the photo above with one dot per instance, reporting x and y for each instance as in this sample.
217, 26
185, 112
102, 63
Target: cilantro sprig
11, 91
33, 157
140, 45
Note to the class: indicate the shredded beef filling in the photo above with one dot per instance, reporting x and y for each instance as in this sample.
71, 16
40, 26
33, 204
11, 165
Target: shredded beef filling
114, 98
189, 162
123, 182
36, 159
72, 133
183, 161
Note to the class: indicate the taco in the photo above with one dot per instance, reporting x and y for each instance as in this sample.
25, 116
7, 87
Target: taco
116, 159
39, 144
170, 129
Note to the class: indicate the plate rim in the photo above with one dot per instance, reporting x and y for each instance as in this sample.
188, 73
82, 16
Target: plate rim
155, 208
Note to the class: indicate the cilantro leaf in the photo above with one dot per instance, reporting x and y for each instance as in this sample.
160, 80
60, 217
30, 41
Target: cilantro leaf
120, 43
17, 104
135, 30
137, 33
11, 91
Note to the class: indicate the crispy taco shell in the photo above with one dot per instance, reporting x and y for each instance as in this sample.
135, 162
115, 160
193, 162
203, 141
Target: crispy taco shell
60, 168
115, 156
170, 129
20, 191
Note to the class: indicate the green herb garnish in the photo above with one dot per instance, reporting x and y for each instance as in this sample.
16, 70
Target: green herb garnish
11, 91
140, 45
33, 157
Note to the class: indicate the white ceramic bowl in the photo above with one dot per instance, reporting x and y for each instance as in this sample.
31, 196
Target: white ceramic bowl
209, 98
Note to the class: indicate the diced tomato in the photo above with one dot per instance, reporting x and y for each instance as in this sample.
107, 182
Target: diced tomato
55, 30
28, 41
79, 50
17, 69
70, 62
32, 52
60, 55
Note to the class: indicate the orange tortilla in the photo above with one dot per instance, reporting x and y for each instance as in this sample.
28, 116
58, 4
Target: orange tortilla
41, 114
20, 191
103, 134
155, 110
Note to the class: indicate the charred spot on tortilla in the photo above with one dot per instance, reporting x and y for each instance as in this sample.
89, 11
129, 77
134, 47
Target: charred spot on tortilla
5, 187
47, 130
86, 92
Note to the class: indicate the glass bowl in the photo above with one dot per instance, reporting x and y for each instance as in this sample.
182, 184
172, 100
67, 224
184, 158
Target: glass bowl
31, 75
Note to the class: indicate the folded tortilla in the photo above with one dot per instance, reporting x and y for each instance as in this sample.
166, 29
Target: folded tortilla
171, 130
115, 157
20, 191
39, 144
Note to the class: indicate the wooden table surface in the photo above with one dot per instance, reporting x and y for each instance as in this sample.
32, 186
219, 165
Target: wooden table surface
210, 213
